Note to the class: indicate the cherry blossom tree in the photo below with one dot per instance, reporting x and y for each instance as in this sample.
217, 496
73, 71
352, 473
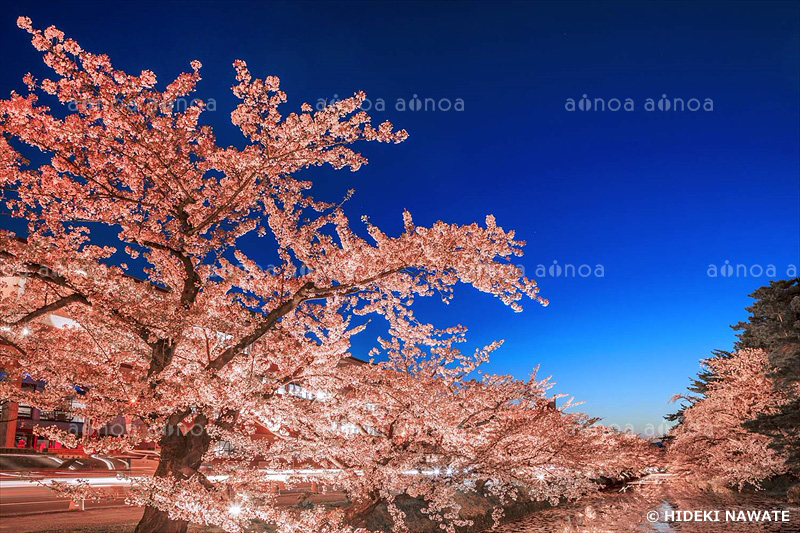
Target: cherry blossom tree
423, 430
135, 223
711, 442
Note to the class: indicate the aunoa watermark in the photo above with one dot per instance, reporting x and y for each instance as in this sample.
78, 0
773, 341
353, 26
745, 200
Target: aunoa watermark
81, 428
566, 270
553, 270
415, 103
178, 105
663, 104
728, 270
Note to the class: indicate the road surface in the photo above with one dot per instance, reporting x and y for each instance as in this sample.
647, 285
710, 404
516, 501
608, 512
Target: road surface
24, 495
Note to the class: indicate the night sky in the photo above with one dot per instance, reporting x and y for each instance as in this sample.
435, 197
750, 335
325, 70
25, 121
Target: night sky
655, 197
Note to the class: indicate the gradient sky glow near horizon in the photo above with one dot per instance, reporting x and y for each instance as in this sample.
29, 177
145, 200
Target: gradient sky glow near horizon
655, 197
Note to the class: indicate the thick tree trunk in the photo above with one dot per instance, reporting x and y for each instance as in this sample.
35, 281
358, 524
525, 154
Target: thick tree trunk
181, 455
154, 520
357, 512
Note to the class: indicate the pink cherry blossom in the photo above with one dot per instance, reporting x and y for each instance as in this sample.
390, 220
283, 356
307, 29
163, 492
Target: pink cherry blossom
172, 324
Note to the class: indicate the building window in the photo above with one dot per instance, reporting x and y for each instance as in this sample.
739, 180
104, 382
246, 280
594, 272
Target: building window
59, 416
223, 448
25, 411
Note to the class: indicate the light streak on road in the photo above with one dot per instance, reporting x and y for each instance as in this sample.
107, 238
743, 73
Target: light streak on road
28, 480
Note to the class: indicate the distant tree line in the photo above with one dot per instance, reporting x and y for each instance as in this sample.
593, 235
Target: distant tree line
746, 401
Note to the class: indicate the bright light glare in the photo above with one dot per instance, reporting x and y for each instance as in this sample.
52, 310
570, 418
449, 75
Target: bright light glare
235, 509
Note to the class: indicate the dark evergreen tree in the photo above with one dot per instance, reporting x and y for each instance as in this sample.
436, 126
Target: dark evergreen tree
774, 326
697, 389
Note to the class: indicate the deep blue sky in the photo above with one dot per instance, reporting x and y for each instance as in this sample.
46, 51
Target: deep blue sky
655, 197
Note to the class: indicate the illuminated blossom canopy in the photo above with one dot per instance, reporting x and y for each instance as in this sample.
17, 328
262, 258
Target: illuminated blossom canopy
136, 219
711, 442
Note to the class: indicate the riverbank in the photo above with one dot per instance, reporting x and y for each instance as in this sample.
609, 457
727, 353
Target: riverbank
611, 510
475, 508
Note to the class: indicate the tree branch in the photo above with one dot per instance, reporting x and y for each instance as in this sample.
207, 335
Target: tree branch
58, 304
